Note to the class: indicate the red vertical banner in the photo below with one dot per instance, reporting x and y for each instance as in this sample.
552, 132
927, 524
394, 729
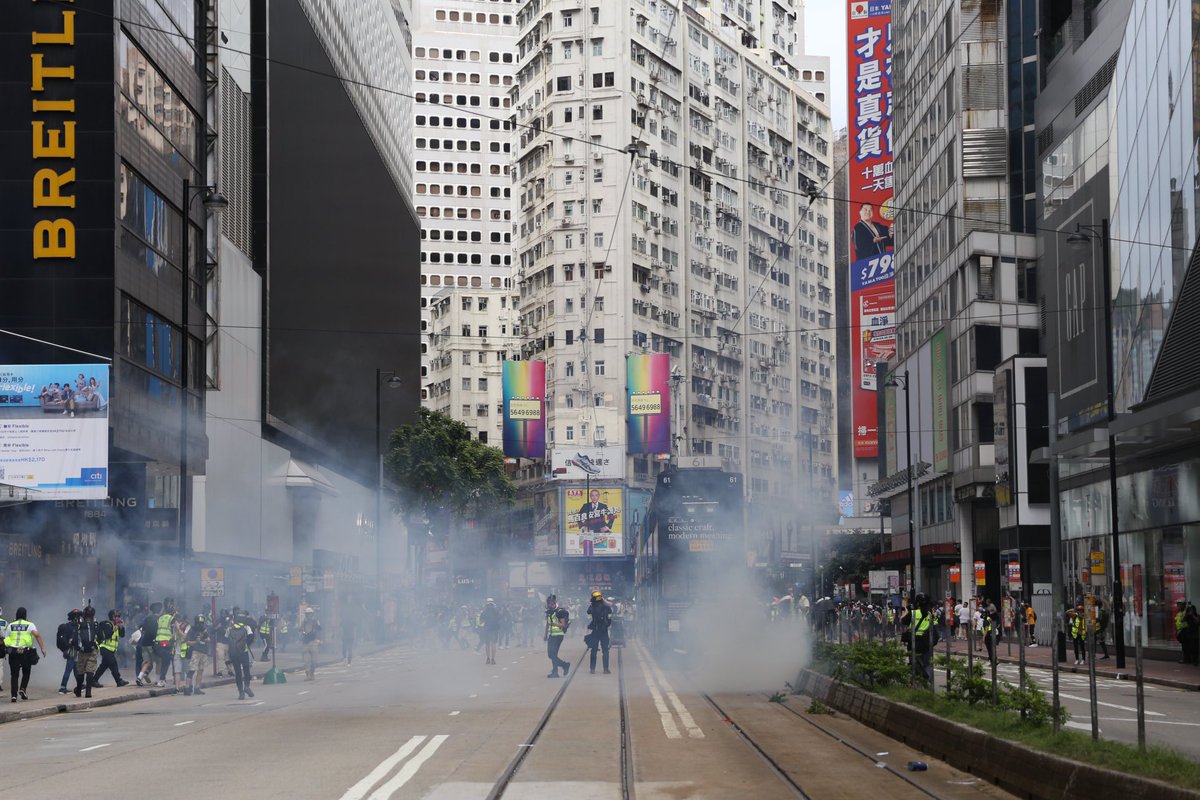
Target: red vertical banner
872, 274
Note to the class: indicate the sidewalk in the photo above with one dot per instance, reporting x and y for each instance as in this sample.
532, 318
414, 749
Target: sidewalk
37, 706
1161, 673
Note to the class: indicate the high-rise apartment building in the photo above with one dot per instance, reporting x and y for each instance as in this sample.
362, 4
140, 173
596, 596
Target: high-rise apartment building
966, 279
663, 153
463, 62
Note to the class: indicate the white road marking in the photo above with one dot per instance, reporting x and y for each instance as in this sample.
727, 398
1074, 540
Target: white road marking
1082, 726
360, 789
455, 713
259, 703
473, 696
1155, 721
664, 715
181, 724
94, 747
692, 728
1110, 705
306, 691
409, 769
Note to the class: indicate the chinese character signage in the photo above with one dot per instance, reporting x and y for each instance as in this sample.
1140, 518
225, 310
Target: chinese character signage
647, 384
872, 285
525, 409
594, 523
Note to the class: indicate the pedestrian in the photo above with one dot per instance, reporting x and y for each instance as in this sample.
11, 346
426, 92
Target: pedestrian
181, 661
199, 639
87, 646
265, 627
601, 614
1077, 626
1191, 640
489, 629
239, 635
558, 620
350, 623
164, 641
18, 644
506, 625
112, 630
1103, 616
221, 663
977, 620
1031, 623
3, 633
924, 637
64, 640
145, 643
310, 638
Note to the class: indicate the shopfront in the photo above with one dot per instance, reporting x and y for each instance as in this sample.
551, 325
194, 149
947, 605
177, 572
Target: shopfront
1159, 516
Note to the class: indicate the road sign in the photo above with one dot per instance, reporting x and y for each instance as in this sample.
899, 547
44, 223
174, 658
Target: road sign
212, 582
1097, 559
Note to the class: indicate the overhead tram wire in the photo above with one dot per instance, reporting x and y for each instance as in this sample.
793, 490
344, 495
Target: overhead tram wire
611, 148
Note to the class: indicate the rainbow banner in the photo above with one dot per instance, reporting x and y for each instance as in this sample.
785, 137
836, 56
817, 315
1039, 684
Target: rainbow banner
525, 409
647, 388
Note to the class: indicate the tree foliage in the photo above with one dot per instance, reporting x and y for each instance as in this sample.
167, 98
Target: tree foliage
852, 557
441, 470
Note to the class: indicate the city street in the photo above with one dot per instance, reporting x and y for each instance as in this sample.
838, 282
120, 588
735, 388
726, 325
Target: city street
442, 724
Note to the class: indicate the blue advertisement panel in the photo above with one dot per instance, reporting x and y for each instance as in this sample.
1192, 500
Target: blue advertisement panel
54, 430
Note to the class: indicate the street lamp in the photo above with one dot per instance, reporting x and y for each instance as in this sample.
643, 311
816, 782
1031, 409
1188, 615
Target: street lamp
1081, 238
393, 381
913, 531
213, 201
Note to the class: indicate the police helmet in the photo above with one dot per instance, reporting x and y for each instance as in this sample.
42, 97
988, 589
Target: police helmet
74, 615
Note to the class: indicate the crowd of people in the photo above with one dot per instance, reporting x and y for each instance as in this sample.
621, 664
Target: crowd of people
163, 644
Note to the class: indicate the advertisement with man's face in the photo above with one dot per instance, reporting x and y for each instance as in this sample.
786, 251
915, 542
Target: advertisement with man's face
594, 522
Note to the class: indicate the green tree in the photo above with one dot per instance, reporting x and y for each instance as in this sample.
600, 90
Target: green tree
442, 472
851, 557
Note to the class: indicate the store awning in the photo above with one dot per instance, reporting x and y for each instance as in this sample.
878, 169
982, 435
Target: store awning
937, 553
302, 475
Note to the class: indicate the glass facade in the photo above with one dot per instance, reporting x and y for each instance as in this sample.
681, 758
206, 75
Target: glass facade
1160, 544
151, 230
153, 108
1022, 26
1154, 216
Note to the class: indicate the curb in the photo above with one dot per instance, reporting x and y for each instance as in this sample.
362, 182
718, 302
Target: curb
144, 694
1009, 765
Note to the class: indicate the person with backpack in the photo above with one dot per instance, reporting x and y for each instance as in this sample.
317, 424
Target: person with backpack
64, 640
601, 614
924, 638
111, 632
145, 642
164, 641
238, 636
87, 656
199, 641
489, 629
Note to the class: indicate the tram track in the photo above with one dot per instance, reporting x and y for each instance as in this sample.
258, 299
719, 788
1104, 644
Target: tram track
628, 791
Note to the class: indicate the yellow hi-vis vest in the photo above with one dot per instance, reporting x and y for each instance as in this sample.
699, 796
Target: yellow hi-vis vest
265, 628
1078, 627
18, 634
556, 628
1179, 623
110, 644
164, 629
921, 622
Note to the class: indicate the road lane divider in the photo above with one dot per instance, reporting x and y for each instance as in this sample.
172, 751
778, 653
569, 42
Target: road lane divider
664, 714
95, 747
409, 769
359, 790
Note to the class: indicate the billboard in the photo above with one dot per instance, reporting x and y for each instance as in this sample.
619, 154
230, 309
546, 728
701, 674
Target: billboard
57, 200
583, 463
648, 395
525, 409
872, 284
595, 523
54, 430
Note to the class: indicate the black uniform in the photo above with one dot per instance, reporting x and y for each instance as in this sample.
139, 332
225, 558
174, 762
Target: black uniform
601, 614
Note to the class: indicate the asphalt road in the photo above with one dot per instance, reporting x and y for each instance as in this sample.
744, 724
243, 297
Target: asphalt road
406, 723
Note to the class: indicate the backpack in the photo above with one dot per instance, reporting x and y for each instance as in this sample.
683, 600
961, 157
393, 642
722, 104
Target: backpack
935, 635
87, 637
65, 639
239, 638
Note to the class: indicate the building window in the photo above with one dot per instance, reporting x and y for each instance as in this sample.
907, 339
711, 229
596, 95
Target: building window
598, 336
599, 367
570, 433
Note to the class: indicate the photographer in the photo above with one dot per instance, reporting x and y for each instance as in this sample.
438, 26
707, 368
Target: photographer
112, 631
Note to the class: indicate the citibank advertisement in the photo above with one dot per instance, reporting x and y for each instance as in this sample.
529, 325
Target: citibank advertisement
525, 409
595, 523
648, 393
872, 274
54, 430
